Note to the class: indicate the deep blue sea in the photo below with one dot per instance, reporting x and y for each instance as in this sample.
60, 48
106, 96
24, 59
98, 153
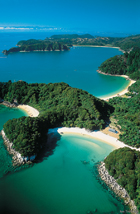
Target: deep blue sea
61, 183
77, 67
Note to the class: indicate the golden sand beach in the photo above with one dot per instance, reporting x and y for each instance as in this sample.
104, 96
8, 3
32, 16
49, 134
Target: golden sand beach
32, 112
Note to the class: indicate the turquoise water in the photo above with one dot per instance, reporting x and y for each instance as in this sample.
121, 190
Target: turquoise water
6, 114
9, 113
61, 184
76, 67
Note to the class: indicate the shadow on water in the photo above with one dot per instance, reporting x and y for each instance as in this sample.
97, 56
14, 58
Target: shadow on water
6, 210
6, 166
49, 147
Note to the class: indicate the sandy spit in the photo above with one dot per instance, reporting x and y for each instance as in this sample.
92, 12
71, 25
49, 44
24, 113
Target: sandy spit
99, 135
99, 46
32, 112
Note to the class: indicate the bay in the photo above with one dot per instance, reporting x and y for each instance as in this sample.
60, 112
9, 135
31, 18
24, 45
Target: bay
61, 183
77, 67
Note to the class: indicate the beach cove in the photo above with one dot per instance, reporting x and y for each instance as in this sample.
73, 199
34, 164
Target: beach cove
61, 187
124, 91
86, 143
65, 183
76, 67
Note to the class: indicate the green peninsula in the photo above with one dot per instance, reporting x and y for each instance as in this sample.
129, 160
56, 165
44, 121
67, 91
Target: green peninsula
127, 109
61, 105
65, 41
58, 104
37, 45
124, 163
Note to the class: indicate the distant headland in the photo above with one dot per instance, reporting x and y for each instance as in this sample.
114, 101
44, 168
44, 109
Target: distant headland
61, 105
65, 41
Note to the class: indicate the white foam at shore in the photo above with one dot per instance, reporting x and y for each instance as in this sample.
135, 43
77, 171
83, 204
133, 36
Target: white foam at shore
95, 134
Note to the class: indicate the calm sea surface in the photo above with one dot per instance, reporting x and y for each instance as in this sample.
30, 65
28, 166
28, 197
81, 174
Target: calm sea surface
76, 67
61, 183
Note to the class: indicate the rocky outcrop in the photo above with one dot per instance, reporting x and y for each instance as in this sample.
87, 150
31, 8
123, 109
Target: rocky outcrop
120, 191
8, 104
5, 52
17, 158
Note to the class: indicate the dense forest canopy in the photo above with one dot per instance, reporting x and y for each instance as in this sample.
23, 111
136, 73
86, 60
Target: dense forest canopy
128, 64
58, 104
61, 105
27, 134
126, 43
64, 41
37, 45
124, 165
127, 110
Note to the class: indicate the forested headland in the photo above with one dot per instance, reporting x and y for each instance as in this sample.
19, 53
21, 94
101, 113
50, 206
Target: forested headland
37, 45
65, 41
126, 64
124, 43
124, 165
127, 110
58, 104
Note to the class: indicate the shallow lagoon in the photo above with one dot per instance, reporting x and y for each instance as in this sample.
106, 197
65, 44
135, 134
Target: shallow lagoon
61, 183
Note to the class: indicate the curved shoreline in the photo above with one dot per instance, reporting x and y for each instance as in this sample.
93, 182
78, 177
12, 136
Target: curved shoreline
104, 175
99, 46
32, 112
99, 135
17, 158
124, 91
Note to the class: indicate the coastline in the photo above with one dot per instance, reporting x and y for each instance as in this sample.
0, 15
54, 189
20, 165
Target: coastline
99, 46
16, 156
124, 91
103, 173
115, 187
99, 135
32, 112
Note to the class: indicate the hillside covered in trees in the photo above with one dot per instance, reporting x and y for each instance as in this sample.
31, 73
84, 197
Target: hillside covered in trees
65, 41
37, 45
124, 165
126, 43
128, 64
58, 104
127, 110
